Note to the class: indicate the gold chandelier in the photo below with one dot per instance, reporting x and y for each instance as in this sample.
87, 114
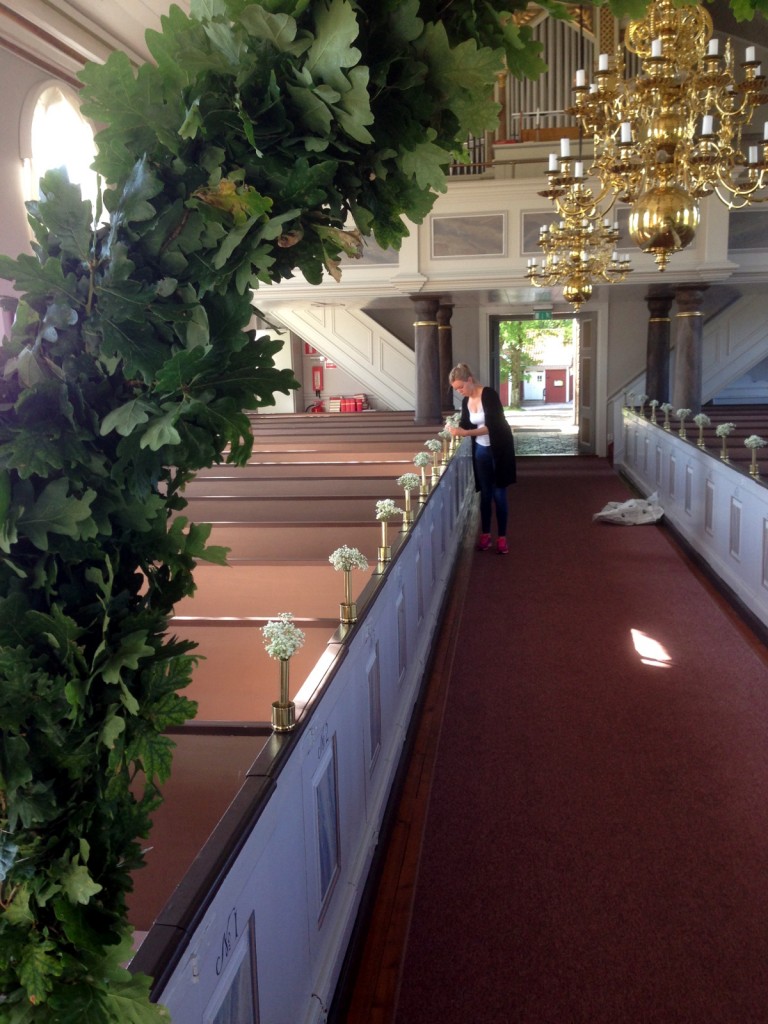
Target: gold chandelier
676, 132
581, 248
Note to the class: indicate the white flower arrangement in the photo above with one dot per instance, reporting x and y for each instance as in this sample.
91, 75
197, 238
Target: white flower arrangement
754, 441
654, 403
422, 459
345, 559
433, 445
408, 481
453, 420
282, 638
701, 419
386, 509
666, 407
445, 434
682, 414
725, 429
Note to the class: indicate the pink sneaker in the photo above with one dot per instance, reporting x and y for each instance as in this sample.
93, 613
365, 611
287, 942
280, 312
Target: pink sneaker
501, 546
485, 542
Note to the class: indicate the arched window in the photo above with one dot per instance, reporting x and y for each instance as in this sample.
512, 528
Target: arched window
55, 134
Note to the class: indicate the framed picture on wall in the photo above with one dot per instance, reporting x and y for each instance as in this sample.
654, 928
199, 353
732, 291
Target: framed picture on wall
471, 235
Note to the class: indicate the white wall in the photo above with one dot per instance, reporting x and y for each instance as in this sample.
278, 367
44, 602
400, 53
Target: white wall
17, 80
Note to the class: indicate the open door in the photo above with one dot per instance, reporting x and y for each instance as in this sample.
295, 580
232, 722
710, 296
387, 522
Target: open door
584, 385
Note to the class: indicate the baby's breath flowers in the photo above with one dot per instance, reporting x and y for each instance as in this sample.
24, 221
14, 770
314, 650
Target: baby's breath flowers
666, 408
754, 442
282, 638
701, 420
682, 414
421, 460
386, 509
724, 430
409, 482
344, 558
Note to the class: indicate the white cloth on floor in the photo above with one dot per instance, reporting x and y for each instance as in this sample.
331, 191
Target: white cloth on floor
634, 512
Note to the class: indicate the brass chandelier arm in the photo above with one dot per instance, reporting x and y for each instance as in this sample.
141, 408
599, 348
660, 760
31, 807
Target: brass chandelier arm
671, 135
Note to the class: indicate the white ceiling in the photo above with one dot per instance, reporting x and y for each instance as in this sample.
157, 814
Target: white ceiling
59, 35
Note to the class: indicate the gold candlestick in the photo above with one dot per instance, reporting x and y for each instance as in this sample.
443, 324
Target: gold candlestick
284, 710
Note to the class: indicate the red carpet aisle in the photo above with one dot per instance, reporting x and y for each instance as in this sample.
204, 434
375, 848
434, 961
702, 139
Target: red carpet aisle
596, 847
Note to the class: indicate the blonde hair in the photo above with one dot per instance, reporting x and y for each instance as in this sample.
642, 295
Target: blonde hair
460, 372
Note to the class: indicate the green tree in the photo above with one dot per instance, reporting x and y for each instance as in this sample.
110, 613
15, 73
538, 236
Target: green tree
517, 346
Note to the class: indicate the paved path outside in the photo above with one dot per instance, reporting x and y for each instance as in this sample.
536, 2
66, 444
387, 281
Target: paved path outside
544, 429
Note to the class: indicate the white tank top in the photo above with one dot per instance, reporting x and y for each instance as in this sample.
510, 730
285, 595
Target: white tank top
477, 419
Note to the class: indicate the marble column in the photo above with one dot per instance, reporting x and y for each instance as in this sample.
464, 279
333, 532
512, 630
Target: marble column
657, 350
426, 349
445, 349
689, 322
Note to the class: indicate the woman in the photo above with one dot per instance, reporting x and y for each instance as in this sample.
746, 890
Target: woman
493, 451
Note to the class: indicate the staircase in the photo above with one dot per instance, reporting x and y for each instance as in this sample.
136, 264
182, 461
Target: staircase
384, 365
734, 342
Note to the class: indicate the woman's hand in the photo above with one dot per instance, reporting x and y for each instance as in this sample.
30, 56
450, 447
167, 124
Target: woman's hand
457, 431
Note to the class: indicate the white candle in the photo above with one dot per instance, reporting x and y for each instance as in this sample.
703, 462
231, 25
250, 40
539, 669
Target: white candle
565, 147
714, 47
592, 88
750, 54
581, 78
553, 161
752, 155
615, 256
707, 124
579, 172
758, 70
765, 130
655, 47
626, 132
602, 62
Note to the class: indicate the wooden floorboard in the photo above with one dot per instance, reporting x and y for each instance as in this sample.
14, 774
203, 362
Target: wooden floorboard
369, 993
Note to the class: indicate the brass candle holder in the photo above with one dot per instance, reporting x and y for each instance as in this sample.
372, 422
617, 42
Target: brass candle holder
421, 460
282, 638
701, 420
385, 551
345, 559
724, 430
681, 415
284, 710
409, 482
754, 443
386, 509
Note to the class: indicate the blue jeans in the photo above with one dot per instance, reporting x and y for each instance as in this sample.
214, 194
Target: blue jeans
490, 495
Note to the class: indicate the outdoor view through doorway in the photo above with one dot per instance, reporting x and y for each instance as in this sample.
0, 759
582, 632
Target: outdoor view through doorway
535, 366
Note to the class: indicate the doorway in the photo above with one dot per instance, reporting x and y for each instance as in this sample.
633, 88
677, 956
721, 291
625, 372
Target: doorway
537, 366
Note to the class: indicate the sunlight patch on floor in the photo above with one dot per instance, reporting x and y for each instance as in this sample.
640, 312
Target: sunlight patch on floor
651, 651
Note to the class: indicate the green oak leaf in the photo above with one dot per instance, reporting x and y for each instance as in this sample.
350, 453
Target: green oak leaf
332, 51
78, 884
39, 968
127, 417
161, 432
125, 653
57, 511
